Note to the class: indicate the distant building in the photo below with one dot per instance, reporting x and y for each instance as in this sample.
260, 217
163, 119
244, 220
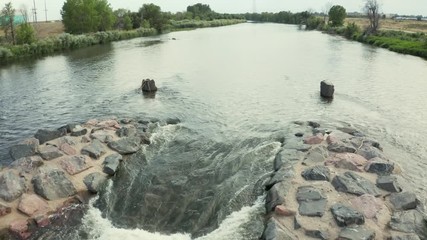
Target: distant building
17, 20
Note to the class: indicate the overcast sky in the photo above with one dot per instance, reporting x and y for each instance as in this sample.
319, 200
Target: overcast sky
410, 7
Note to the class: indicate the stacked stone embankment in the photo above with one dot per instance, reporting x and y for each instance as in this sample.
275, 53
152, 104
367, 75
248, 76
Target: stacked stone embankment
338, 184
61, 167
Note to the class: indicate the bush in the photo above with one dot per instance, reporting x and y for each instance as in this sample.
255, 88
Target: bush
25, 34
314, 23
351, 30
337, 15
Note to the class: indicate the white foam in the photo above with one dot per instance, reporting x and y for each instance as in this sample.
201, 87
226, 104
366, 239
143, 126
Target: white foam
100, 228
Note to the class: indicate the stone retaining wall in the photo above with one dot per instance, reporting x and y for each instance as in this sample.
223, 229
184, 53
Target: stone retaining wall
338, 184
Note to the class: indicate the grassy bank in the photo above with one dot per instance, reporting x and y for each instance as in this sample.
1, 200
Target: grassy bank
65, 42
412, 43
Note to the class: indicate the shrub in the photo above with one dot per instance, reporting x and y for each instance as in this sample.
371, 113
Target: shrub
25, 34
351, 30
314, 23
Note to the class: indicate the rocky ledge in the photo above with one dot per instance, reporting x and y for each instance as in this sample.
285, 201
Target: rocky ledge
338, 184
59, 168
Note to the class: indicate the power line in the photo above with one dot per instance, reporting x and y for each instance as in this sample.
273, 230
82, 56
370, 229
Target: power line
34, 11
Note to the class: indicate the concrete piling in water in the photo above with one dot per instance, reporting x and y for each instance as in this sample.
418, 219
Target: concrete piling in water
327, 89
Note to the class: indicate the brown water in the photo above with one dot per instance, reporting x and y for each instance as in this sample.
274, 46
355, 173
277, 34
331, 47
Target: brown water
233, 88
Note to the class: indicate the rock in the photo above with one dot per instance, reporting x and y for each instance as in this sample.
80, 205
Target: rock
4, 210
69, 127
283, 211
388, 183
75, 164
172, 121
356, 233
297, 225
354, 184
316, 139
312, 208
368, 205
127, 145
299, 134
11, 186
94, 181
279, 176
27, 164
317, 173
312, 203
102, 136
379, 166
341, 147
316, 155
67, 149
309, 193
85, 139
94, 150
52, 184
350, 130
273, 231
23, 150
148, 85
45, 135
275, 196
50, 152
370, 152
411, 221
92, 122
42, 220
67, 140
20, 229
327, 89
108, 124
126, 131
78, 131
33, 205
404, 200
319, 234
404, 237
278, 162
330, 139
345, 216
349, 161
313, 124
111, 163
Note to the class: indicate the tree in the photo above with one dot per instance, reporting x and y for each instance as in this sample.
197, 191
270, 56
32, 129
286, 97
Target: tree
7, 18
123, 19
372, 8
152, 13
203, 11
25, 33
82, 16
325, 11
337, 15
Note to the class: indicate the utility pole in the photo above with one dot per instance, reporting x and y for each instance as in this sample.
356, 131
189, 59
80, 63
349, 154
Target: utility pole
34, 11
45, 10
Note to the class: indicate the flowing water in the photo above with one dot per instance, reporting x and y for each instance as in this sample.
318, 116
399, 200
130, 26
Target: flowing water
236, 90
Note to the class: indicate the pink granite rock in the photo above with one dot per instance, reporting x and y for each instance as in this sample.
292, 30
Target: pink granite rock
368, 205
316, 139
75, 164
108, 124
67, 149
32, 205
283, 211
42, 220
4, 210
92, 122
331, 139
348, 161
20, 229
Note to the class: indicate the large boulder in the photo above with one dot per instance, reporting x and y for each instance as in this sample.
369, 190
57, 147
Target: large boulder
388, 183
368, 205
50, 152
78, 131
349, 161
75, 164
126, 145
356, 233
352, 183
317, 173
11, 186
148, 85
411, 221
94, 150
111, 163
94, 181
52, 184
32, 205
345, 216
311, 201
273, 231
24, 149
45, 135
379, 166
404, 200
327, 89
27, 164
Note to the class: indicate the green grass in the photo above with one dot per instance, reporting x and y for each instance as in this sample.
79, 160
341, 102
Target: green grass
406, 45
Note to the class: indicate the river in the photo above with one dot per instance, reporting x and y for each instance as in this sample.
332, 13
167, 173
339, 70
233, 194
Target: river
235, 89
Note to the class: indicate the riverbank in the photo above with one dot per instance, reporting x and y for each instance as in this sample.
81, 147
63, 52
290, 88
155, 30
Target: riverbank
58, 43
61, 168
338, 184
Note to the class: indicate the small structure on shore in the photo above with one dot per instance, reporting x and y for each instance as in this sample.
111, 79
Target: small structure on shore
148, 85
327, 89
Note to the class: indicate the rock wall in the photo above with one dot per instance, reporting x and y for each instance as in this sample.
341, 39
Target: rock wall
59, 168
338, 184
